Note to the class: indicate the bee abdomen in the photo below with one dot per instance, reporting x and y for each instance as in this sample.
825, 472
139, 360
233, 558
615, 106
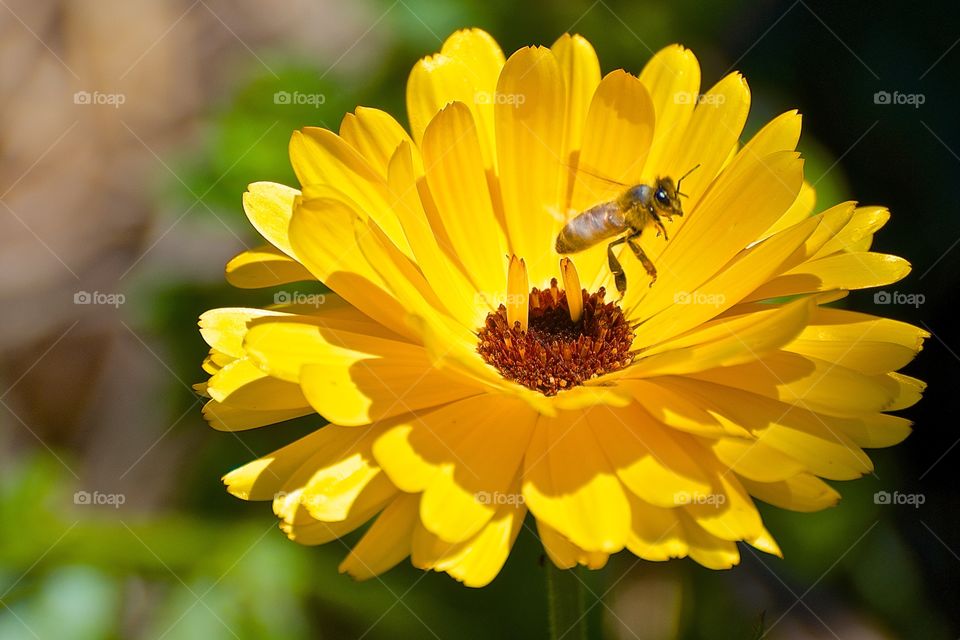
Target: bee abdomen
590, 227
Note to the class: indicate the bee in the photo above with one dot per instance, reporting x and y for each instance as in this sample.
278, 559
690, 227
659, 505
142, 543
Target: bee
629, 214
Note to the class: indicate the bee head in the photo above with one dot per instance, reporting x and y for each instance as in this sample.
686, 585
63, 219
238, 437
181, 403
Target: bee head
666, 195
666, 198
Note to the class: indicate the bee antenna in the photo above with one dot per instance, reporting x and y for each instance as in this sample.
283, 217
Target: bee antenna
684, 176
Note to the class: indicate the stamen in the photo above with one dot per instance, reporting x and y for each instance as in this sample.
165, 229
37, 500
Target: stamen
571, 284
518, 301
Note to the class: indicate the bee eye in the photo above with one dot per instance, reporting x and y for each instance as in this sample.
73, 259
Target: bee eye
662, 198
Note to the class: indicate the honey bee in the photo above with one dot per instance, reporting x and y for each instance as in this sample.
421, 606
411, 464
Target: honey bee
638, 207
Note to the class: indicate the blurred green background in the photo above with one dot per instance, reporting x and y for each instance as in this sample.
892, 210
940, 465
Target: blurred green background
97, 398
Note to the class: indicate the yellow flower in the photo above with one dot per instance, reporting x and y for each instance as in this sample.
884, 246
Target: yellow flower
458, 398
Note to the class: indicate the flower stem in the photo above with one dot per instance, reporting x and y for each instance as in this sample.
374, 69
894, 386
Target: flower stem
566, 604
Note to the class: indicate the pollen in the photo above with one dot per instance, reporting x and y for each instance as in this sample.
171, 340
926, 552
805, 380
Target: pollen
554, 352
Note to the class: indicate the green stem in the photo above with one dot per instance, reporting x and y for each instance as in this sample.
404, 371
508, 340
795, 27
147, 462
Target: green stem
566, 604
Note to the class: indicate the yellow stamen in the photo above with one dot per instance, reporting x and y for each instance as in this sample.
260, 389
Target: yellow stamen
571, 287
518, 293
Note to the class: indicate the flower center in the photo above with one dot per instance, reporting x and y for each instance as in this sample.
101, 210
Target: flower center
555, 353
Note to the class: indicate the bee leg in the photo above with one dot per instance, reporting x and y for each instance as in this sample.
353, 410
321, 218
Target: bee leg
619, 277
660, 228
642, 257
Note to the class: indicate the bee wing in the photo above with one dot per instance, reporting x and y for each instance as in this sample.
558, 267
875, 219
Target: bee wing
582, 170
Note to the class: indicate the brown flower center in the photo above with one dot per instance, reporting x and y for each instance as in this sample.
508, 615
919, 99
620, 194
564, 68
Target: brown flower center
554, 353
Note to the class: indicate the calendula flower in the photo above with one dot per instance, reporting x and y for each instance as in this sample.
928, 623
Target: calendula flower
470, 375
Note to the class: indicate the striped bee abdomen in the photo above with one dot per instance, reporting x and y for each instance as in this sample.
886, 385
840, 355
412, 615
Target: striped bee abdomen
590, 227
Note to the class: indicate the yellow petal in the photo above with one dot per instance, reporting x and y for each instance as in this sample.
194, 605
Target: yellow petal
457, 181
803, 492
474, 562
353, 379
799, 211
651, 461
475, 479
415, 448
710, 135
323, 235
864, 222
671, 401
706, 549
264, 266
375, 135
483, 59
305, 530
724, 342
859, 341
908, 391
386, 542
244, 385
322, 158
581, 72
229, 418
466, 70
430, 246
672, 78
755, 460
530, 137
793, 430
872, 430
268, 206
656, 534
261, 479
224, 329
564, 554
728, 513
765, 542
839, 271
569, 484
344, 477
